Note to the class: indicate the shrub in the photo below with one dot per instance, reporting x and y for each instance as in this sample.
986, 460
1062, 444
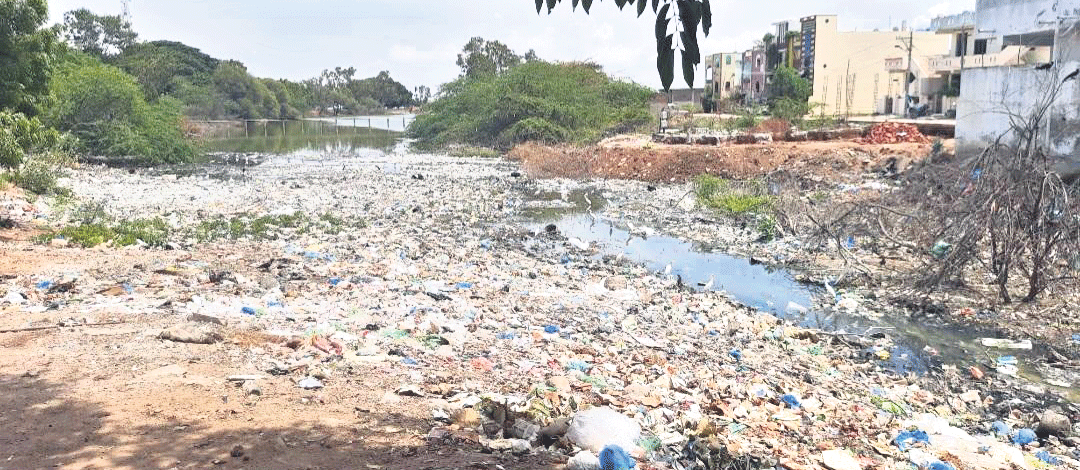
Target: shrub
536, 101
105, 109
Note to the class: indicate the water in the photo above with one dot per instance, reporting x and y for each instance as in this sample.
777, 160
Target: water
918, 344
392, 123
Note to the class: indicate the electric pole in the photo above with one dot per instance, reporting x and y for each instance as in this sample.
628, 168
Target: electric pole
909, 43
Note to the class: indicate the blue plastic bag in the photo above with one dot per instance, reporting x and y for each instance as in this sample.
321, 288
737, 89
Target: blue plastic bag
614, 457
1000, 428
1046, 457
906, 438
1024, 437
791, 401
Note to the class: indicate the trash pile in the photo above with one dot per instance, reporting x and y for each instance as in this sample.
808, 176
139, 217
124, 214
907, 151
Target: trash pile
893, 133
522, 342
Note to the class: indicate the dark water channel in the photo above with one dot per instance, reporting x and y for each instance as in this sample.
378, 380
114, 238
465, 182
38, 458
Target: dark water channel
918, 344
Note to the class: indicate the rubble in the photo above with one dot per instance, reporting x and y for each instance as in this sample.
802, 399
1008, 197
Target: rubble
893, 133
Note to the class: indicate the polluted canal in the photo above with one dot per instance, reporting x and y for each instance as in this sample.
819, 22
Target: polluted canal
338, 279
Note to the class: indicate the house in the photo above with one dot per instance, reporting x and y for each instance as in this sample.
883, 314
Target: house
723, 73
1022, 50
867, 72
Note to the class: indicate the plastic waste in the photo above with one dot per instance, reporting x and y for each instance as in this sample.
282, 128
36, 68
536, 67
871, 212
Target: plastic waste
1046, 457
940, 249
577, 364
1024, 437
310, 383
1005, 343
736, 354
596, 428
1000, 428
1007, 365
408, 361
908, 438
939, 465
248, 310
614, 457
551, 329
44, 284
791, 401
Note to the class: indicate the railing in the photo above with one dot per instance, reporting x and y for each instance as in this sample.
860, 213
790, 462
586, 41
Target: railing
246, 128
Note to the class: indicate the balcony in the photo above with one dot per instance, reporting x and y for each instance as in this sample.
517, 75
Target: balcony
896, 64
1010, 56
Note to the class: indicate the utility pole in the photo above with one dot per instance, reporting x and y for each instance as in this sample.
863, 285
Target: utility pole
910, 44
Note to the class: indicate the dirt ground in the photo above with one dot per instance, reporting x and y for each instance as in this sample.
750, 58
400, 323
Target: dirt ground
635, 157
116, 397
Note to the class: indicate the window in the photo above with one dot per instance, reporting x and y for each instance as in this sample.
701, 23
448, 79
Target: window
980, 46
727, 86
727, 60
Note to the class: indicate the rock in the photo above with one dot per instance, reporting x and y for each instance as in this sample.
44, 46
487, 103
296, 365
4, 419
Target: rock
185, 334
551, 433
583, 460
596, 428
58, 243
839, 459
409, 391
615, 283
1052, 423
517, 446
251, 387
521, 447
237, 451
560, 383
310, 383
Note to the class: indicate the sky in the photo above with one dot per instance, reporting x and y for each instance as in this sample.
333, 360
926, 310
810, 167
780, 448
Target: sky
417, 41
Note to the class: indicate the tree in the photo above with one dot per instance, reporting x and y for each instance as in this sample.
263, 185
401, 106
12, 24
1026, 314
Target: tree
789, 94
101, 36
160, 66
25, 51
486, 59
422, 94
689, 15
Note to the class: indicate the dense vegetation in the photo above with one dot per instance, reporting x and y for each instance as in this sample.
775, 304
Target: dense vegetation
89, 86
530, 100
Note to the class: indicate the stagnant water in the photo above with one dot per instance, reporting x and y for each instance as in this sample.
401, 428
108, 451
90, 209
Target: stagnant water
917, 344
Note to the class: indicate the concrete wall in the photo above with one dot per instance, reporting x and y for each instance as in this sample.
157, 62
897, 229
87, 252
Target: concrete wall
869, 78
990, 97
996, 18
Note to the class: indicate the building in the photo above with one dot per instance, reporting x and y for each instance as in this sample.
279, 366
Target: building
1021, 49
863, 72
724, 73
756, 84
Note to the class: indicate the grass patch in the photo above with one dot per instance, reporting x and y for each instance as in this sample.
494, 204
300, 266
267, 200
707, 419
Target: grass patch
153, 232
747, 201
270, 227
473, 152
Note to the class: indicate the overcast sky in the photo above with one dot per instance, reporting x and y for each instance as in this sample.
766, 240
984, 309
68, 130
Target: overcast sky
418, 40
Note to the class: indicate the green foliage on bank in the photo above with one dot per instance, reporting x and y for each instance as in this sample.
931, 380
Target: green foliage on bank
106, 110
789, 96
746, 201
536, 101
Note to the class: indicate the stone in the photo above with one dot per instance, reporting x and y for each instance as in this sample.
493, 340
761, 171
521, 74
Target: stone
186, 334
1052, 423
525, 429
560, 383
58, 243
595, 428
468, 418
839, 459
971, 396
615, 283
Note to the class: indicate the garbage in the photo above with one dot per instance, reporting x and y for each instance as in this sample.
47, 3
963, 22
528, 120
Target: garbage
247, 311
596, 428
1047, 458
908, 438
1024, 437
1005, 343
791, 401
614, 457
837, 459
940, 249
310, 383
183, 334
551, 329
1000, 428
584, 460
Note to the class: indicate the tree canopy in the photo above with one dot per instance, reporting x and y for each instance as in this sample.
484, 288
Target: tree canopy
686, 17
480, 58
25, 49
103, 36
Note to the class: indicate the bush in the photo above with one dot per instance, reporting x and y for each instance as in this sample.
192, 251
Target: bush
105, 109
541, 101
20, 135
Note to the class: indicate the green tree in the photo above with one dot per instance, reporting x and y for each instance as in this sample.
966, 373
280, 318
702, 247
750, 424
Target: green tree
20, 136
101, 36
25, 52
245, 96
486, 59
160, 66
687, 16
789, 94
383, 89
105, 109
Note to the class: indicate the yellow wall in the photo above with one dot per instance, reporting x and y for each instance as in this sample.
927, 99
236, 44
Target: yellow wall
858, 58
